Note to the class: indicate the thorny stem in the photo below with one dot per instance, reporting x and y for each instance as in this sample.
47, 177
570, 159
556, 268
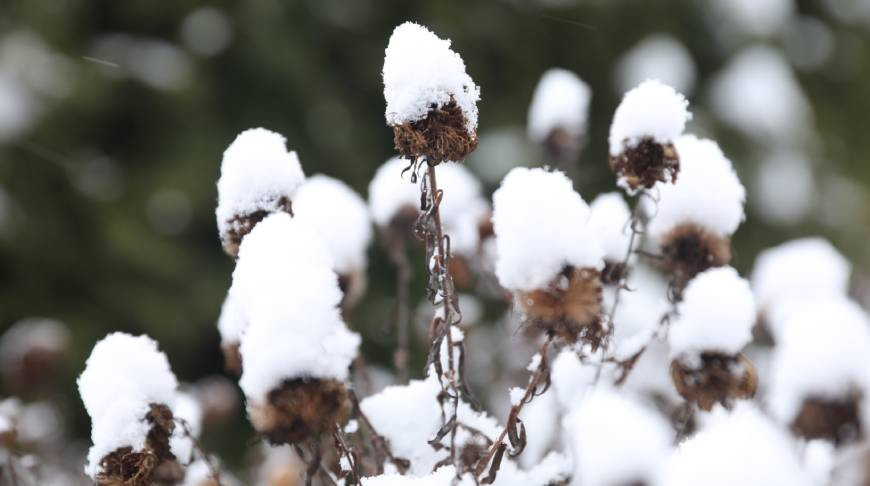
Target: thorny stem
540, 374
403, 314
213, 470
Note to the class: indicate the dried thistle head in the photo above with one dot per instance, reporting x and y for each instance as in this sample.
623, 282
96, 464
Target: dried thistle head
242, 224
836, 420
299, 409
714, 378
569, 307
441, 136
154, 464
689, 249
645, 164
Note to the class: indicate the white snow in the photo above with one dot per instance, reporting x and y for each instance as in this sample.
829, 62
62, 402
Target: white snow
232, 322
784, 168
707, 191
463, 207
717, 313
609, 219
256, 172
286, 285
760, 18
657, 56
560, 101
420, 70
615, 440
390, 190
638, 316
571, 378
744, 448
186, 408
340, 217
757, 93
541, 225
123, 375
652, 109
822, 352
801, 268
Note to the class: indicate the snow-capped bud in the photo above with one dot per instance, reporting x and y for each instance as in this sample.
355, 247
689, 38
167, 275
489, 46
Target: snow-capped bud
258, 177
790, 275
547, 253
713, 325
127, 388
340, 216
696, 216
431, 100
645, 126
394, 202
609, 217
819, 372
615, 441
559, 113
743, 448
296, 349
31, 351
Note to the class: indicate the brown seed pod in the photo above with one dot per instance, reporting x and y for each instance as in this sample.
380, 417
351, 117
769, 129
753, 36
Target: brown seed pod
570, 306
242, 224
154, 464
719, 378
613, 273
689, 249
837, 420
443, 135
299, 409
646, 163
563, 145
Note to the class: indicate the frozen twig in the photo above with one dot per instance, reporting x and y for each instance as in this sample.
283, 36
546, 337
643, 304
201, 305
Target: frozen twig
213, 470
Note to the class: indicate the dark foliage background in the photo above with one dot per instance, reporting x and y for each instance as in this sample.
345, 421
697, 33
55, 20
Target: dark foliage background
108, 193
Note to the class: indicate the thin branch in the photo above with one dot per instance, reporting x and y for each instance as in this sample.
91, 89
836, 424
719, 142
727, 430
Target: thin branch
379, 443
345, 449
404, 274
213, 470
541, 374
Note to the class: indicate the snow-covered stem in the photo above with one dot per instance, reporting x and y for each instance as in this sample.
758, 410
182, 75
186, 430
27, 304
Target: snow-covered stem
539, 376
213, 470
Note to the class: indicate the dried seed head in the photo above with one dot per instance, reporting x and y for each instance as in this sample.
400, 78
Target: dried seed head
443, 135
353, 286
689, 249
31, 351
716, 378
242, 224
126, 467
300, 409
837, 420
232, 358
569, 307
645, 164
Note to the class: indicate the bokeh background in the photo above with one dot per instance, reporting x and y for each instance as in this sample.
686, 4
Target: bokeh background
114, 116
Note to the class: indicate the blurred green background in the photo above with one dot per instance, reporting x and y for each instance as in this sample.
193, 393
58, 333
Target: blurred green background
114, 115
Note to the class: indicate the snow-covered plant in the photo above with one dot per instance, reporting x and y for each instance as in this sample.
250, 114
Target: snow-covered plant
548, 255
258, 178
559, 112
713, 324
819, 380
340, 217
645, 127
296, 349
431, 100
128, 390
695, 216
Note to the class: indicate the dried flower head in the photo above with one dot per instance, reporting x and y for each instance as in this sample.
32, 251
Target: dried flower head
31, 352
645, 125
431, 100
837, 420
296, 349
714, 378
258, 177
558, 114
690, 249
127, 388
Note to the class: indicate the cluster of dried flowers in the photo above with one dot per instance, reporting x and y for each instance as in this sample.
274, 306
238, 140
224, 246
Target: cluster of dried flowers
638, 332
